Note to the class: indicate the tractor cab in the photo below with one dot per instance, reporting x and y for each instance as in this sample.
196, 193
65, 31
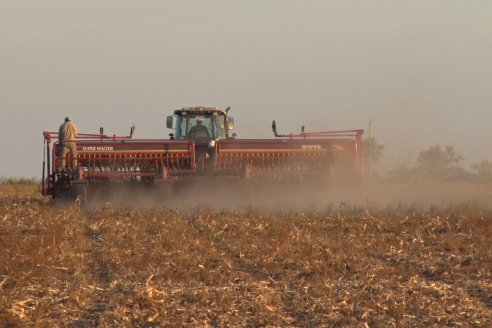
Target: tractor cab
200, 124
203, 126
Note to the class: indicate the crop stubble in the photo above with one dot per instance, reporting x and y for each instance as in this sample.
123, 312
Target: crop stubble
63, 266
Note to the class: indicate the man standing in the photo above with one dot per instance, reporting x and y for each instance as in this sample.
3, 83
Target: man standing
67, 135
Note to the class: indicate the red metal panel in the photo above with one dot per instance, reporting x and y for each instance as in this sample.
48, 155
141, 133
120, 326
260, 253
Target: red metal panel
285, 157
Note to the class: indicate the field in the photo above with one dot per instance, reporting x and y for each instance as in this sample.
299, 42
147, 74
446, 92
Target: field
333, 266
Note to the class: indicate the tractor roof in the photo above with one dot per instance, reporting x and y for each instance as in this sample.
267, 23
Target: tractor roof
201, 111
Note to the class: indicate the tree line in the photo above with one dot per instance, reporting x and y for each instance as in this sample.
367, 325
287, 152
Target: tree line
437, 163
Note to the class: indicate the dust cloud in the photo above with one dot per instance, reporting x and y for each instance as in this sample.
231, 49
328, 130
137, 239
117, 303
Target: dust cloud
372, 196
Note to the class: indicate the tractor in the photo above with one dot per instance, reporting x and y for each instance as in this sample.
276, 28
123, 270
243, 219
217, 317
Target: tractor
201, 149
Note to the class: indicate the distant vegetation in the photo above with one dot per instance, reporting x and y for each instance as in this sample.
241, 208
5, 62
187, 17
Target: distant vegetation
18, 181
436, 163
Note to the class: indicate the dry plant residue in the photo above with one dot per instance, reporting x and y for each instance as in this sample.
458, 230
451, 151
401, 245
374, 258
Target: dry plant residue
63, 266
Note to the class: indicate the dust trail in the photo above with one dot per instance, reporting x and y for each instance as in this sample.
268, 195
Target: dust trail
377, 194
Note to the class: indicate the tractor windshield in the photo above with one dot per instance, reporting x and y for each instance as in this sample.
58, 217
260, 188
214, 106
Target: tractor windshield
203, 127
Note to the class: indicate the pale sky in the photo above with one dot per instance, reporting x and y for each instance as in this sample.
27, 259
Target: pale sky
420, 70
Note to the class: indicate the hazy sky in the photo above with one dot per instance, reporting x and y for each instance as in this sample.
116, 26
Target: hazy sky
420, 70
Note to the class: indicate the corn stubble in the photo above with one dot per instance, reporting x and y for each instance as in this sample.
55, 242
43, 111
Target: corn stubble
61, 265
